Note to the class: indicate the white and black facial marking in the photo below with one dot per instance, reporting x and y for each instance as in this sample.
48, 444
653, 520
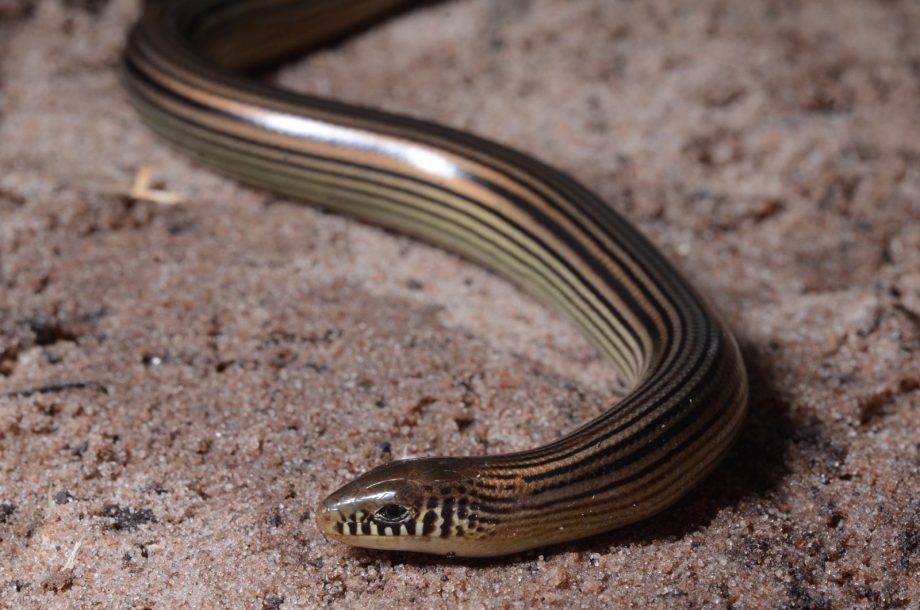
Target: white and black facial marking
443, 512
388, 520
451, 512
421, 504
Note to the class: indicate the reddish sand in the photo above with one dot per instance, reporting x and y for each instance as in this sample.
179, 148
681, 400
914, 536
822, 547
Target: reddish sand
180, 385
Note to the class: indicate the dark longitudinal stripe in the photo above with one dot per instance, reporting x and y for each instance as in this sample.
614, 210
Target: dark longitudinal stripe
557, 455
630, 278
534, 223
602, 467
498, 244
517, 201
597, 457
704, 427
535, 211
450, 136
471, 144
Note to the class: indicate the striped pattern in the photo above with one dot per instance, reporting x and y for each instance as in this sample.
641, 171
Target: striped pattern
494, 205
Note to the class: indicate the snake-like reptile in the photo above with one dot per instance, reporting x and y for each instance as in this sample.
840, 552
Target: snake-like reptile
185, 71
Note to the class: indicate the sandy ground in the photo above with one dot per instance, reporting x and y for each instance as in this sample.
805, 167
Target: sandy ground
180, 385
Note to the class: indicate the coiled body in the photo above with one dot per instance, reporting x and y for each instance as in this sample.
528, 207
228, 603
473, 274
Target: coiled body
506, 210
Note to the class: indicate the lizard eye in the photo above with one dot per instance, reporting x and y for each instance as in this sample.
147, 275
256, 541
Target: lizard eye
392, 514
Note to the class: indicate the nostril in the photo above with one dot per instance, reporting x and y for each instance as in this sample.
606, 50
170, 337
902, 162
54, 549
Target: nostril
326, 520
